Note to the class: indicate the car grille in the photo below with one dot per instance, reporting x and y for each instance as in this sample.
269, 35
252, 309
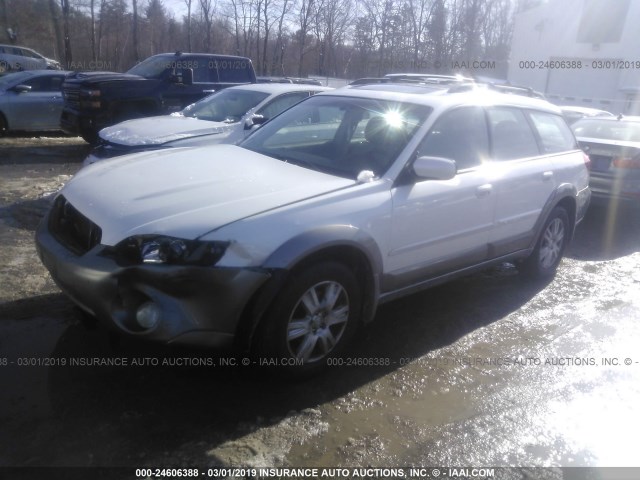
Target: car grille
71, 96
72, 229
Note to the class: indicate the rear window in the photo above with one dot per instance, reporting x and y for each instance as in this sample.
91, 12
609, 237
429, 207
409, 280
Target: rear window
205, 69
554, 133
608, 130
228, 105
235, 71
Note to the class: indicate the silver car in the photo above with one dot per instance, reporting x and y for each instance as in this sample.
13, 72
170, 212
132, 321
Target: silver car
31, 100
573, 113
613, 145
226, 116
16, 58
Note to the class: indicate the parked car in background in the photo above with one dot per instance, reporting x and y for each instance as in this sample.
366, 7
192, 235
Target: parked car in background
284, 244
613, 144
416, 78
31, 100
573, 113
14, 58
159, 85
224, 117
308, 81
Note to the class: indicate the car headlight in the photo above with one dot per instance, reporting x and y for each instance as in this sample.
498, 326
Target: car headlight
158, 250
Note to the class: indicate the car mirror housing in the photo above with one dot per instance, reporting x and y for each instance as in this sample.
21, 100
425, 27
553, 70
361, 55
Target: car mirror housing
434, 168
254, 121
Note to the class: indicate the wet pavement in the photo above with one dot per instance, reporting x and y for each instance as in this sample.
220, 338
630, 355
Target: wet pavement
490, 370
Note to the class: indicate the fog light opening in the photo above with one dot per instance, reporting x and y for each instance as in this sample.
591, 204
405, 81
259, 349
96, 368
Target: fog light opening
148, 315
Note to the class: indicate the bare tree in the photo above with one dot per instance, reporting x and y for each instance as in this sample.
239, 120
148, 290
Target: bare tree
279, 47
4, 22
68, 57
188, 4
157, 21
245, 21
305, 16
55, 19
208, 9
92, 10
136, 45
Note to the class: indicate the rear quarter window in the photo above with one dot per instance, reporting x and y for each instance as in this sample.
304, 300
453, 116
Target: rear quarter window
555, 135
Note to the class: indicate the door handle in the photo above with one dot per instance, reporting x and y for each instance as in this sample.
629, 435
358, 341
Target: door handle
484, 190
546, 176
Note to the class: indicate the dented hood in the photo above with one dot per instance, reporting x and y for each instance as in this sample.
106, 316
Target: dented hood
160, 130
188, 192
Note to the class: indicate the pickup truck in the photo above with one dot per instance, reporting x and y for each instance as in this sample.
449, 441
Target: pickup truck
161, 84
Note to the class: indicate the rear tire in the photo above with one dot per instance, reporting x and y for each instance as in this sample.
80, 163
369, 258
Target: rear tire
3, 125
545, 258
311, 320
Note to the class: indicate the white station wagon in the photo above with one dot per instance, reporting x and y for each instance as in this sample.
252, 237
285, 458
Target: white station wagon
285, 244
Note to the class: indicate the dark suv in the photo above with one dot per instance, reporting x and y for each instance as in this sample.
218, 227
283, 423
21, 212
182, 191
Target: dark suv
160, 84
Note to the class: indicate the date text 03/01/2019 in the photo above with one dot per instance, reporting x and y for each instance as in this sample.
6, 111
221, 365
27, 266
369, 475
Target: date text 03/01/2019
579, 64
312, 473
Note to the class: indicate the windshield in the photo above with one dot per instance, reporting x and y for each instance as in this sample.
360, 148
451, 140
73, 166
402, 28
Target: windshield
228, 105
152, 67
608, 130
340, 135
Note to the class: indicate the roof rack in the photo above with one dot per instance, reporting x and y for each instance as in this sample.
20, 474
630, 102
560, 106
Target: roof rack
308, 81
499, 87
414, 78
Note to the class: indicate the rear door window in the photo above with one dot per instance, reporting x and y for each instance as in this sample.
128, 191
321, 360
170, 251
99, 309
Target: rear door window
511, 134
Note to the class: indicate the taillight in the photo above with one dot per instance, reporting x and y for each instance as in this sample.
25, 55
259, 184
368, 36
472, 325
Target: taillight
587, 160
625, 162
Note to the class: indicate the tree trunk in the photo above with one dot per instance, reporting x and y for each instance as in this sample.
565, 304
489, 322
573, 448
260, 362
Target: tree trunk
55, 19
136, 51
68, 57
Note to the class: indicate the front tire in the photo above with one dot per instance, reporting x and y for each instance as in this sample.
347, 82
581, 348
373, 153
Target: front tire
312, 319
545, 258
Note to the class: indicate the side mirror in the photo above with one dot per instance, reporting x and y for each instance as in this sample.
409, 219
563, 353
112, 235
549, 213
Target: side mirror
22, 88
434, 168
254, 121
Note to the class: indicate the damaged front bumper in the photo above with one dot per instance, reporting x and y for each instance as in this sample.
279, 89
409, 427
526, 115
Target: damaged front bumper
189, 305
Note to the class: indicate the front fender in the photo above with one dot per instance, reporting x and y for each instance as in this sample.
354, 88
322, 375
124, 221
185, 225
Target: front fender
333, 241
311, 242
